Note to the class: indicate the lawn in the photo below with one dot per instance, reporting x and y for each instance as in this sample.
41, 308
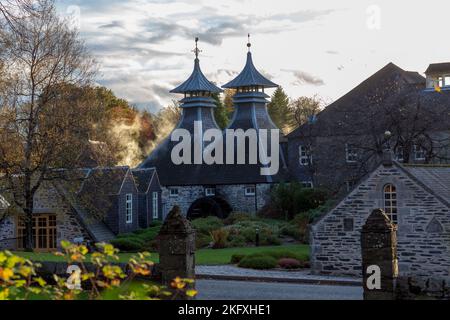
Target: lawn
203, 256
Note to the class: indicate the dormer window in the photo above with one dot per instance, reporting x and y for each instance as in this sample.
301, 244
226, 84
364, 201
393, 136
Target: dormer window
351, 153
438, 75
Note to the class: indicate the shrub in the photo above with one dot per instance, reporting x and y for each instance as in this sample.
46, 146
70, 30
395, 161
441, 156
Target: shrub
206, 225
219, 238
293, 231
129, 244
202, 240
258, 262
287, 263
236, 241
238, 217
277, 255
236, 258
293, 198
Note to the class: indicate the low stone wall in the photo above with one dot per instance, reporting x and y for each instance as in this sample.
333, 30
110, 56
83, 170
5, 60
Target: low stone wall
422, 288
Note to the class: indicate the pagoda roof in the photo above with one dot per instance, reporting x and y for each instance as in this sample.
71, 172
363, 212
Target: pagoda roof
197, 82
249, 77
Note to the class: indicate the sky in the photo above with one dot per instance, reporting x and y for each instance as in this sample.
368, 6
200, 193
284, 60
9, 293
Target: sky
323, 47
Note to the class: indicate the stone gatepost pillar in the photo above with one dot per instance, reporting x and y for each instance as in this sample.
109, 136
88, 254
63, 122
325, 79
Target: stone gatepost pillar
177, 248
379, 257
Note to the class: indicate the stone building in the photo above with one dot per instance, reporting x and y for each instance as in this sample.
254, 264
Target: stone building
92, 205
415, 197
343, 144
219, 188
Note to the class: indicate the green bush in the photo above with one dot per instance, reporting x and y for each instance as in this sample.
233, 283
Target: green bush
236, 241
128, 244
292, 231
202, 240
206, 225
281, 254
238, 217
293, 198
236, 258
258, 262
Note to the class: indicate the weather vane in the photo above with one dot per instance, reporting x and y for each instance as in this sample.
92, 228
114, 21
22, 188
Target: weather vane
196, 50
249, 45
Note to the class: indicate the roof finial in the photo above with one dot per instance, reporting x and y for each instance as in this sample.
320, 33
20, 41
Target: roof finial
249, 44
196, 50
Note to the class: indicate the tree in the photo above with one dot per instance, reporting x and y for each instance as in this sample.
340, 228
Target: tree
228, 101
44, 122
220, 112
279, 109
304, 109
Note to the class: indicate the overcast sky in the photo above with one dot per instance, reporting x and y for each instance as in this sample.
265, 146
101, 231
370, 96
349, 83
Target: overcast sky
308, 47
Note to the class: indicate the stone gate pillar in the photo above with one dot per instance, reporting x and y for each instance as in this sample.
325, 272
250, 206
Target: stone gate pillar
177, 248
379, 254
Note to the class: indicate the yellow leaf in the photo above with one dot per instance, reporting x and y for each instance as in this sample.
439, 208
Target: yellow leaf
437, 89
4, 294
191, 293
6, 273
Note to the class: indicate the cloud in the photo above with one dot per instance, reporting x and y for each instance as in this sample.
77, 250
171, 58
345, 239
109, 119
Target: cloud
331, 52
302, 77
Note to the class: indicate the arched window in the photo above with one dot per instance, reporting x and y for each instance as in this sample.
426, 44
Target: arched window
390, 202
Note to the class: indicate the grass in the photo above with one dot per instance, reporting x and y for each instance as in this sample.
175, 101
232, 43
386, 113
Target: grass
202, 257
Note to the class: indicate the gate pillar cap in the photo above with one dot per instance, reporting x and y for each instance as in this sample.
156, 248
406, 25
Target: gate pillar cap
378, 221
176, 223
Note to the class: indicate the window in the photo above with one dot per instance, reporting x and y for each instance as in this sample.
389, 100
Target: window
447, 81
390, 202
350, 185
210, 192
305, 156
43, 232
174, 192
399, 154
440, 82
155, 204
129, 208
307, 184
250, 191
419, 153
348, 225
351, 153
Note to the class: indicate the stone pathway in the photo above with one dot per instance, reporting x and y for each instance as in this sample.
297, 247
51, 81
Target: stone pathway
232, 272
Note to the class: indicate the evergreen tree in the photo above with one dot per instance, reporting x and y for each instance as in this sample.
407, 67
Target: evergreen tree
279, 109
220, 112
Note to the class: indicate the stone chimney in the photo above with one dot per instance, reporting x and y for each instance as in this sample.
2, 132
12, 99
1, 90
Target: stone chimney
438, 75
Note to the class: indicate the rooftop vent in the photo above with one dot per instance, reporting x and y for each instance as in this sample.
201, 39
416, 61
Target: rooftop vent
438, 75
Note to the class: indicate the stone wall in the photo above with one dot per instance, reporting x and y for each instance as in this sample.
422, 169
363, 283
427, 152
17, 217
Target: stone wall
423, 228
47, 201
233, 194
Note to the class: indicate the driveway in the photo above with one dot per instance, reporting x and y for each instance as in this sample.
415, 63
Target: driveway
245, 290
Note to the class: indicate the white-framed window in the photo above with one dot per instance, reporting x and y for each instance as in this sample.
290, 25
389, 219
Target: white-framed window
419, 153
351, 153
174, 192
305, 155
441, 82
399, 154
250, 191
210, 192
447, 81
307, 184
390, 202
155, 205
350, 185
129, 208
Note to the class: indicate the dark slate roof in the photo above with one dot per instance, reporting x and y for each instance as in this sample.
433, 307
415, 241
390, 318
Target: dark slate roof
436, 178
250, 77
143, 178
438, 68
197, 82
353, 113
109, 180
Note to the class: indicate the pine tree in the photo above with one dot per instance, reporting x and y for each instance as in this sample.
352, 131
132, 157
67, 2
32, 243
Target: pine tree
279, 108
220, 112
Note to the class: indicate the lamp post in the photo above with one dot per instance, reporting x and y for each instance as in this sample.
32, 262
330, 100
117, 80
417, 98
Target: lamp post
257, 237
